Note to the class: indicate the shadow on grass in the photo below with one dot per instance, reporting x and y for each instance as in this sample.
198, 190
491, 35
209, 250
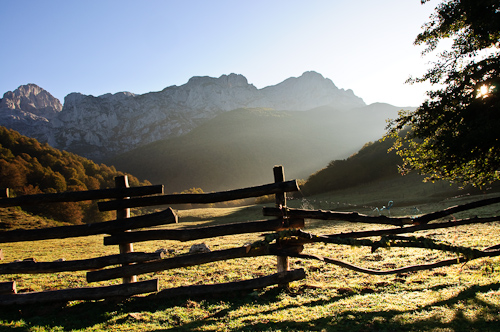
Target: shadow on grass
54, 315
92, 314
390, 320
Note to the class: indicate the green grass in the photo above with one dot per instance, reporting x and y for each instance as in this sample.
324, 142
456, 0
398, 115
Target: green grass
456, 298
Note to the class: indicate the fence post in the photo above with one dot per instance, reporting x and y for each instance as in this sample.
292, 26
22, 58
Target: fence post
279, 176
8, 287
122, 182
4, 192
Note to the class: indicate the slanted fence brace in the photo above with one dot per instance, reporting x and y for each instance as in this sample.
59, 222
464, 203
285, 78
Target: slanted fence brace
287, 240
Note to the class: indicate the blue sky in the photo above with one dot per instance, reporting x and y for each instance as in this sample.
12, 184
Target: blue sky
107, 46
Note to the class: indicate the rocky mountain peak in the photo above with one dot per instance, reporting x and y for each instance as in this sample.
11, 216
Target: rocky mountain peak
310, 90
31, 98
226, 81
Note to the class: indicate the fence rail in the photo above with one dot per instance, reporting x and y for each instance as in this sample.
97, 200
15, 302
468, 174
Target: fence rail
205, 232
30, 266
287, 239
84, 293
207, 198
121, 234
160, 218
76, 196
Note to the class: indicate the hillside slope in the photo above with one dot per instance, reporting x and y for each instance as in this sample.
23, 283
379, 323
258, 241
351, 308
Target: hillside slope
374, 167
239, 148
371, 163
28, 167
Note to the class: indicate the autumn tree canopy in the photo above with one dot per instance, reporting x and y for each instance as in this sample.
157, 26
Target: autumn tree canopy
28, 167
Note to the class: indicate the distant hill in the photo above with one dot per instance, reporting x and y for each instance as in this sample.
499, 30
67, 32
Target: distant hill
371, 163
28, 167
374, 164
239, 148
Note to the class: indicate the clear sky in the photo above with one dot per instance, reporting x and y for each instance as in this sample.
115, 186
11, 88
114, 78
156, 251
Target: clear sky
107, 46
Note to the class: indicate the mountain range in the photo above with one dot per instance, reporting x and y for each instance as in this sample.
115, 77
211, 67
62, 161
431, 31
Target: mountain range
213, 133
107, 125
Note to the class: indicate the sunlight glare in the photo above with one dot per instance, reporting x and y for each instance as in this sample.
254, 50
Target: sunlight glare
483, 91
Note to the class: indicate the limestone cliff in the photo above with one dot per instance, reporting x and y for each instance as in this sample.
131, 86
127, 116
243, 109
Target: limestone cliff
103, 126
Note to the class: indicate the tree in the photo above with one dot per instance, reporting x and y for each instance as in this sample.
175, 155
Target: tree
455, 133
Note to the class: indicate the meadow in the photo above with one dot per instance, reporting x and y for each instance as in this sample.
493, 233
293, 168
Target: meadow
463, 297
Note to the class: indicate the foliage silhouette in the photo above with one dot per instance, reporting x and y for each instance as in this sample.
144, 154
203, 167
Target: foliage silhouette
454, 133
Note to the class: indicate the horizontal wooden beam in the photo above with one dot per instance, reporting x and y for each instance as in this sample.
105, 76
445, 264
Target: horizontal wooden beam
185, 261
205, 232
206, 198
85, 293
78, 265
454, 209
415, 228
154, 219
8, 287
232, 287
174, 262
335, 215
356, 217
76, 196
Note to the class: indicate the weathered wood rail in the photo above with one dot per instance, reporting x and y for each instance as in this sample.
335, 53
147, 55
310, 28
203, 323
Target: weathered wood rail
84, 293
78, 265
207, 198
287, 239
204, 232
131, 263
77, 196
62, 232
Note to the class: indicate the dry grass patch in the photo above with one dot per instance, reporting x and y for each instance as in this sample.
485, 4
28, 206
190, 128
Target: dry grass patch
456, 298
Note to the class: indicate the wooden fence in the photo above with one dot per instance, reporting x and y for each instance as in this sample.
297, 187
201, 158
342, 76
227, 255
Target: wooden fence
286, 240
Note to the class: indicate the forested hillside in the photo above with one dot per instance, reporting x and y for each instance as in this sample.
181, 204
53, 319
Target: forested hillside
28, 167
372, 162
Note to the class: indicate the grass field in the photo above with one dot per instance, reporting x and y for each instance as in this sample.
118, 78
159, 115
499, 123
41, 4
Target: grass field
457, 298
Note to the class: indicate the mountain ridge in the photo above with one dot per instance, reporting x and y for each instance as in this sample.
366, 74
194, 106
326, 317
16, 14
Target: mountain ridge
97, 127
